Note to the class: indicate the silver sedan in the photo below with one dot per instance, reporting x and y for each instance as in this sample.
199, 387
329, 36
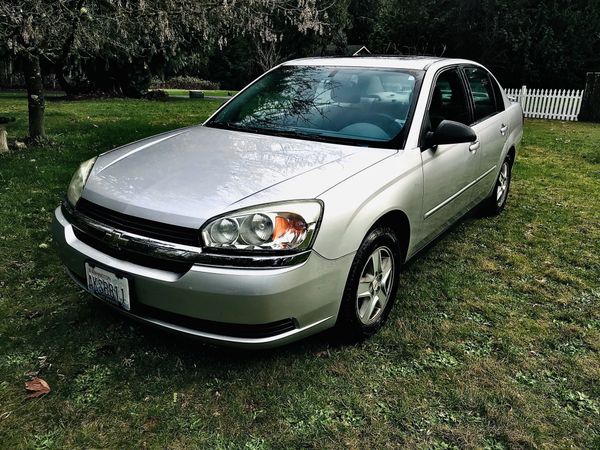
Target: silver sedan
292, 209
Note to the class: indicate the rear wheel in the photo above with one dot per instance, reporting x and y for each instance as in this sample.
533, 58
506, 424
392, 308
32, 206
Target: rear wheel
371, 286
495, 203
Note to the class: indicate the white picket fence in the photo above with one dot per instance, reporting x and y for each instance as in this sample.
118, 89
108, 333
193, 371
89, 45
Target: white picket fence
559, 104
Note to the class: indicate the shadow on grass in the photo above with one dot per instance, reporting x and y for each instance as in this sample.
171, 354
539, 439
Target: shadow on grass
195, 349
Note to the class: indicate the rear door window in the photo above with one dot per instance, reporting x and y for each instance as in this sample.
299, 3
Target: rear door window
482, 92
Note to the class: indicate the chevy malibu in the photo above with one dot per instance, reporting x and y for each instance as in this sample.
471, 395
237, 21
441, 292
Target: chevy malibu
293, 208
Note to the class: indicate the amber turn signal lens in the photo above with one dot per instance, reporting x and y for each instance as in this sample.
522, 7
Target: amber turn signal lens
293, 226
281, 226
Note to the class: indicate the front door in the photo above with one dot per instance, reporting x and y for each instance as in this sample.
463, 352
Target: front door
448, 170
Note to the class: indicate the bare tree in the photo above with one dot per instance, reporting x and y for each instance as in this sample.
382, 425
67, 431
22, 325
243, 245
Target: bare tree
267, 54
53, 30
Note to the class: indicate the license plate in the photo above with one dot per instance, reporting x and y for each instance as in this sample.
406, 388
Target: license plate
107, 286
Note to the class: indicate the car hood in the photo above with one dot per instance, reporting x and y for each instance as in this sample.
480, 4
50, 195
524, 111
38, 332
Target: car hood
187, 176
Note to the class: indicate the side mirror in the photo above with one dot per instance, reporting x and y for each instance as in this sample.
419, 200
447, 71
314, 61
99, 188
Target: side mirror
449, 132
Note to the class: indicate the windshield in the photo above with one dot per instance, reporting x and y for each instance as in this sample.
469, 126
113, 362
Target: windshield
358, 105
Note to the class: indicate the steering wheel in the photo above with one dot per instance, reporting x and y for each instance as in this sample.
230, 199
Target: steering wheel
384, 121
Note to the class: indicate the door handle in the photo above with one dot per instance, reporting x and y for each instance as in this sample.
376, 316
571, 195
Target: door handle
474, 146
503, 129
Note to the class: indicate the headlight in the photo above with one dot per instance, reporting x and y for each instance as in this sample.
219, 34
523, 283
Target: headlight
281, 226
78, 181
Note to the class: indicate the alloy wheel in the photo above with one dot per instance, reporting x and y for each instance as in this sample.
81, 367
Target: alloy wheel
502, 187
374, 286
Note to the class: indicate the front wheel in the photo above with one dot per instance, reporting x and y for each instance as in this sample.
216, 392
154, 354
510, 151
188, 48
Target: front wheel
495, 203
371, 286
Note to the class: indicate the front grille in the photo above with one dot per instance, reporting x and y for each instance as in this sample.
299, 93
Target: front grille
133, 257
251, 331
136, 225
158, 245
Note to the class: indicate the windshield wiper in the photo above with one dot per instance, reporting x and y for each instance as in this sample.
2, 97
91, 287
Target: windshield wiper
272, 131
226, 126
236, 127
288, 132
294, 132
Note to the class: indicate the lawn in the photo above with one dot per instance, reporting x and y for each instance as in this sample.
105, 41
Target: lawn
494, 340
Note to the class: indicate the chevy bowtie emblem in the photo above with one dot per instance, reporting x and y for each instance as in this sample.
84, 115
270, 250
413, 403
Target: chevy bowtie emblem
116, 239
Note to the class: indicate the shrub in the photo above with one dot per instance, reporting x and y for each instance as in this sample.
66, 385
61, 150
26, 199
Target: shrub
157, 94
184, 82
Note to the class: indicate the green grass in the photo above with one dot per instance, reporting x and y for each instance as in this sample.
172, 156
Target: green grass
172, 92
494, 341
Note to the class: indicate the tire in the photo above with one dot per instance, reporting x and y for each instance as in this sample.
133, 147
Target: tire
363, 313
495, 203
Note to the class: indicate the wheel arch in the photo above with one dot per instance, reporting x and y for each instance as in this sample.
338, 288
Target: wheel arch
400, 223
512, 153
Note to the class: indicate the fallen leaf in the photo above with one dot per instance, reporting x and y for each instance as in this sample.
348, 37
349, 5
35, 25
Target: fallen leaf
33, 314
37, 387
185, 400
150, 424
323, 354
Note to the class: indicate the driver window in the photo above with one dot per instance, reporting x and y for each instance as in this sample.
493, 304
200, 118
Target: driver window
448, 101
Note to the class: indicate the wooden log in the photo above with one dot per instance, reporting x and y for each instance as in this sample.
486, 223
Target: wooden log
4, 121
3, 140
590, 104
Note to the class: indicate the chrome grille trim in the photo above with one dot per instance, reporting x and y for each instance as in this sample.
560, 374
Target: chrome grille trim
149, 247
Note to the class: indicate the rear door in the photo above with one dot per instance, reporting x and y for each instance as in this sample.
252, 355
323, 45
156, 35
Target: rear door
448, 170
490, 123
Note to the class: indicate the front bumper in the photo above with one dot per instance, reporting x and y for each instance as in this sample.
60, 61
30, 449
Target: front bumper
243, 307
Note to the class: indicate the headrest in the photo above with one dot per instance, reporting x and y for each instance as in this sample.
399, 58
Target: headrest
345, 92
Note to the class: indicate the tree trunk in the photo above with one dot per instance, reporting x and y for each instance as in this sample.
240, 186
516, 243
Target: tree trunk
65, 85
35, 97
61, 63
590, 104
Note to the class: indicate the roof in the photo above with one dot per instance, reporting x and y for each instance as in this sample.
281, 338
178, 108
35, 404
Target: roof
397, 62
